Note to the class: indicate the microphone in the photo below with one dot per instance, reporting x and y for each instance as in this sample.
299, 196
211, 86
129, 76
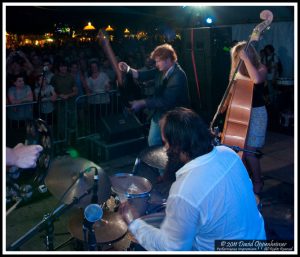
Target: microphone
92, 213
95, 187
87, 170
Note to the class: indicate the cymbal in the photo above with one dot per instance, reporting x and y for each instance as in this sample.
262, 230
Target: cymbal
155, 156
126, 183
62, 173
110, 228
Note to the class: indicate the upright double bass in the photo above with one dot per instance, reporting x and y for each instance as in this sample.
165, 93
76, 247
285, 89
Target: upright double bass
237, 98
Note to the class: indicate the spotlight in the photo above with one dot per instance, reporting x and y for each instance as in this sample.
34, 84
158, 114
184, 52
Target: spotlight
209, 20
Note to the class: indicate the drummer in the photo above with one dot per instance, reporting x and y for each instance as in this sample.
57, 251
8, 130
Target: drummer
211, 199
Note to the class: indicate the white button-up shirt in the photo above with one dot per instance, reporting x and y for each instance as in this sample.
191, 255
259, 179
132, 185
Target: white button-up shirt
211, 199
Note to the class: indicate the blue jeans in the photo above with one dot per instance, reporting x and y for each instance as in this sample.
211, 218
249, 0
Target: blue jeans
154, 137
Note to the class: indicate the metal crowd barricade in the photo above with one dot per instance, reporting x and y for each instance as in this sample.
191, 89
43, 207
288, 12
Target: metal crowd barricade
18, 115
96, 126
88, 113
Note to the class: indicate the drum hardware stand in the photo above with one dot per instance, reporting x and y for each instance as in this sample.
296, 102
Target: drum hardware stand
136, 163
217, 142
49, 233
47, 223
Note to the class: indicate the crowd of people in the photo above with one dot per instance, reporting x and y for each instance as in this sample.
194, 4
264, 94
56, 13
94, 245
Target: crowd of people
30, 61
56, 76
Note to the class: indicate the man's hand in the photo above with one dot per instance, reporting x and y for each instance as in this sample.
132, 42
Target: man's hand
64, 96
128, 212
23, 156
123, 66
137, 105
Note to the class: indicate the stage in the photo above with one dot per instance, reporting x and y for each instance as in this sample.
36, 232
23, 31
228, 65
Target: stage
277, 202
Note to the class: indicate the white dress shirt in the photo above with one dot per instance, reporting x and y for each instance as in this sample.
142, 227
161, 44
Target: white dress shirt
211, 199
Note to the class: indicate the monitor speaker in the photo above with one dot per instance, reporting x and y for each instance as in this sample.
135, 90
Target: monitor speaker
120, 127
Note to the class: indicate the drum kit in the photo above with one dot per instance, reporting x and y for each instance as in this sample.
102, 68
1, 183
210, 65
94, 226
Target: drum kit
77, 182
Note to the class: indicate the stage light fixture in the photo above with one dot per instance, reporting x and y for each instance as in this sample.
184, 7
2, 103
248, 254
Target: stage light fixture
209, 20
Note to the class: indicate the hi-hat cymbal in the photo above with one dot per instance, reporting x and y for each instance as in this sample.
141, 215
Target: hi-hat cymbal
155, 156
108, 229
64, 170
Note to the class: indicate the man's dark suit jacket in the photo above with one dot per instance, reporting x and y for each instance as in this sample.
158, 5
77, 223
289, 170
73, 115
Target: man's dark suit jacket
169, 93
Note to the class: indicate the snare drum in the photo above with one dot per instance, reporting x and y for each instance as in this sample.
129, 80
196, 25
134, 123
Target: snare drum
135, 189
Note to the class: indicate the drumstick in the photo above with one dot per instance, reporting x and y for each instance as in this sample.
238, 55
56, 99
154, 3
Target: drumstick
105, 221
110, 55
14, 206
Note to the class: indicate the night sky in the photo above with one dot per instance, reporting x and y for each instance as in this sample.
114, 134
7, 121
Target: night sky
41, 19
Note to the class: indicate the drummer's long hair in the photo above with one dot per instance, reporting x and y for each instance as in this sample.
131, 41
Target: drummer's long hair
186, 132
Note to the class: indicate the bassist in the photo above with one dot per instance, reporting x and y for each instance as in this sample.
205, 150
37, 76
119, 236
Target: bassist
252, 69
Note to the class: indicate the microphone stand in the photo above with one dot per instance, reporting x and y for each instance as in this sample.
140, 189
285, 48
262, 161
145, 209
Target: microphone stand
40, 91
95, 187
91, 242
47, 224
236, 148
